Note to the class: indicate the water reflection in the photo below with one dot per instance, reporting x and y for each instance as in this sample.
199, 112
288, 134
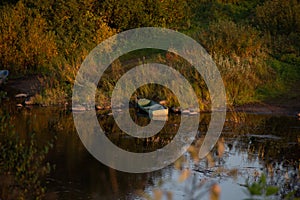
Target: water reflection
23, 167
250, 145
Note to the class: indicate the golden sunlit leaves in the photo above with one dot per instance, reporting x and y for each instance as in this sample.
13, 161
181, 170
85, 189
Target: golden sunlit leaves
158, 194
143, 194
239, 52
25, 40
221, 147
185, 174
210, 160
215, 192
179, 163
194, 152
233, 173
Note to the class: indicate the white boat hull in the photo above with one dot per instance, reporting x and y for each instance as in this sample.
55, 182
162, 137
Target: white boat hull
154, 109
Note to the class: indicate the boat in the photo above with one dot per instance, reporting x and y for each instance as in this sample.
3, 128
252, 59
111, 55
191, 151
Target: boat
3, 75
152, 108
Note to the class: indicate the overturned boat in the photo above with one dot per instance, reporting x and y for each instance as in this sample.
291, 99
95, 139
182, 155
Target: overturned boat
152, 108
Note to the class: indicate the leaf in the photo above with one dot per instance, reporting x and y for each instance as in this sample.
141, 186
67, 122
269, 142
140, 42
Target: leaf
255, 189
290, 195
46, 149
211, 162
221, 147
233, 173
263, 179
271, 190
158, 194
215, 192
143, 194
194, 153
184, 175
169, 195
179, 162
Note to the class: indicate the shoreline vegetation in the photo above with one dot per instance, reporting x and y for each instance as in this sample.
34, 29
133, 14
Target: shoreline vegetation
255, 45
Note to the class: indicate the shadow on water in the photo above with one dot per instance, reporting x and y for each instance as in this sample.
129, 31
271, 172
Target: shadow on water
42, 156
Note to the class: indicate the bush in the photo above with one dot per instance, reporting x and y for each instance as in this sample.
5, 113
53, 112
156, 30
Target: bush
281, 20
279, 16
128, 14
26, 44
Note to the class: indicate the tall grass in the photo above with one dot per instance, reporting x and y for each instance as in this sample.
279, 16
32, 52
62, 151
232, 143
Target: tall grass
240, 54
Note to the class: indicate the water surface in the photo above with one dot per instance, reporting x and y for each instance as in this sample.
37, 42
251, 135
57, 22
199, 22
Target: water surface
252, 144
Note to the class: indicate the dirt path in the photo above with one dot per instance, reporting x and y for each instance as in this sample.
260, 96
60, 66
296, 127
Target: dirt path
29, 85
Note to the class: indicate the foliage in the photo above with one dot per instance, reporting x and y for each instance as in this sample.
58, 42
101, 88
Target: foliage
51, 96
261, 189
53, 38
26, 44
286, 75
207, 11
3, 94
239, 52
280, 19
36, 38
79, 28
173, 14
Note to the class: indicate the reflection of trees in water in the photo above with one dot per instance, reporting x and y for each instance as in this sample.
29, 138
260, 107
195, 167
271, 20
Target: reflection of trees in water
271, 140
253, 136
133, 144
280, 161
22, 163
274, 142
159, 140
266, 136
79, 173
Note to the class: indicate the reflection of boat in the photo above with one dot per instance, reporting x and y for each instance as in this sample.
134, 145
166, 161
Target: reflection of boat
78, 108
152, 108
3, 75
189, 112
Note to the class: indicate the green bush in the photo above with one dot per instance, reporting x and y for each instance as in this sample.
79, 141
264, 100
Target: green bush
261, 189
128, 14
279, 16
281, 20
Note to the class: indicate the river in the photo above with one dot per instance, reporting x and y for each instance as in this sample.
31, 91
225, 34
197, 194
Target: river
250, 146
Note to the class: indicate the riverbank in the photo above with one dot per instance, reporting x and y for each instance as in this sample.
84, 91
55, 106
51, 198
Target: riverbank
285, 104
270, 107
